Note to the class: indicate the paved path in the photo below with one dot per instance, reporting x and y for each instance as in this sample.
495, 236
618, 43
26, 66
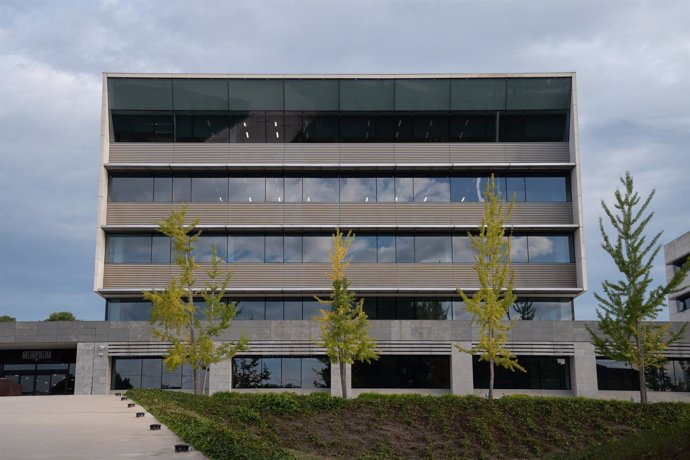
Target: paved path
81, 427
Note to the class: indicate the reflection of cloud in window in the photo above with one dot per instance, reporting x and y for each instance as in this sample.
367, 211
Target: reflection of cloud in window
357, 190
431, 189
363, 249
540, 246
386, 250
320, 190
432, 249
316, 248
386, 189
518, 249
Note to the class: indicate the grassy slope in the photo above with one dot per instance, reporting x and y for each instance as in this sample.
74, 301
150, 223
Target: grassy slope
284, 425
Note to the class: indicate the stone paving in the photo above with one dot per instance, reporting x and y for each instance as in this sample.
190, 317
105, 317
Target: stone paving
81, 427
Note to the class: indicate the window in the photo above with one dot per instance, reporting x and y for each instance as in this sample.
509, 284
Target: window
543, 373
363, 249
250, 309
432, 249
472, 128
541, 309
201, 127
281, 372
253, 189
128, 249
315, 248
320, 189
131, 189
429, 189
209, 189
683, 303
546, 189
463, 252
182, 189
274, 190
142, 128
357, 190
393, 371
673, 375
149, 373
246, 248
549, 249
127, 310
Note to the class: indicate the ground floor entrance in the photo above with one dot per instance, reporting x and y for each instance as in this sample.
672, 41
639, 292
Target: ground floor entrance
40, 372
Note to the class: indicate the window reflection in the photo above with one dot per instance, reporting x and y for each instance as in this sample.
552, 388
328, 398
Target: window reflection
320, 189
248, 189
315, 248
206, 244
404, 189
246, 248
209, 189
357, 190
363, 249
431, 189
432, 249
281, 372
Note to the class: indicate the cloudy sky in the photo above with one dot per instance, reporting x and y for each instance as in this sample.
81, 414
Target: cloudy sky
632, 61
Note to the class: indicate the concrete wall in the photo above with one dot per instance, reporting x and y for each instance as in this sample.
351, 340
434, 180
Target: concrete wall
673, 251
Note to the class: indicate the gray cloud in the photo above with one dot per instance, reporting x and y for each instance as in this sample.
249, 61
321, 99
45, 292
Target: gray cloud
632, 60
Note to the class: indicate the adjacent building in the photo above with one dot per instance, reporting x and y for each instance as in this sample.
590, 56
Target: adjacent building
271, 165
676, 253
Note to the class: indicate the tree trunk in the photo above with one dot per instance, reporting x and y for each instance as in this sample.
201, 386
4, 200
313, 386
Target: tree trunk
641, 365
203, 381
491, 379
343, 378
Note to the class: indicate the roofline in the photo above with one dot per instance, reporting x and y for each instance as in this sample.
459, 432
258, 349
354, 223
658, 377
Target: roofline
336, 76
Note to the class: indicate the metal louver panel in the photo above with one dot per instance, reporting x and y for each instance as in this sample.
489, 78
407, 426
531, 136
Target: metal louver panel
540, 348
138, 348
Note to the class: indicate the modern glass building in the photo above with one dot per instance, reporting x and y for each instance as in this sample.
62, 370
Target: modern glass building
676, 253
271, 165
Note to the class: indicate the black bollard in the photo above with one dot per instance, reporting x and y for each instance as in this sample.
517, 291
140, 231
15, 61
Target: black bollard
155, 426
181, 448
140, 414
130, 405
124, 398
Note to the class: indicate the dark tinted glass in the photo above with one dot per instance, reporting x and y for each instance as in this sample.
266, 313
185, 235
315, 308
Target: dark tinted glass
292, 372
320, 127
272, 372
432, 308
316, 373
463, 252
431, 249
200, 94
386, 249
386, 308
126, 373
160, 249
312, 308
248, 189
274, 309
293, 309
614, 375
422, 94
131, 189
163, 189
472, 128
182, 189
202, 128
541, 309
151, 373
142, 127
542, 372
466, 189
430, 128
128, 249
127, 310
312, 95
246, 248
255, 94
140, 93
515, 189
365, 95
404, 308
292, 248
478, 94
250, 309
210, 189
391, 371
538, 93
171, 380
460, 311
546, 189
363, 249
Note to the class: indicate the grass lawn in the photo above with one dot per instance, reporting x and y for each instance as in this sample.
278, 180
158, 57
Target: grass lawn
285, 425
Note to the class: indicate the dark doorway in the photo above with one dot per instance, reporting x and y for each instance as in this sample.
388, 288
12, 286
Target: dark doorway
40, 372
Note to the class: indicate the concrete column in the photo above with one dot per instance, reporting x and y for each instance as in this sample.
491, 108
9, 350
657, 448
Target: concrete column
584, 371
461, 376
335, 380
92, 369
220, 377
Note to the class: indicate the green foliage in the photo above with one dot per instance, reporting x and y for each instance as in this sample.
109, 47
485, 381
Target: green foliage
344, 327
175, 316
7, 319
626, 304
61, 316
278, 425
491, 302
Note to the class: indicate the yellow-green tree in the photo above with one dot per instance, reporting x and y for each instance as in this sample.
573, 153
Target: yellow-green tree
627, 306
490, 303
344, 326
175, 316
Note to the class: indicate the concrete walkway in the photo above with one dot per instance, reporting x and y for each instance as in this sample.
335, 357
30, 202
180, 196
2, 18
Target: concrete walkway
81, 427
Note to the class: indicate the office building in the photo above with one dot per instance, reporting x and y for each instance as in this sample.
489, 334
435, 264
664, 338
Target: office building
676, 253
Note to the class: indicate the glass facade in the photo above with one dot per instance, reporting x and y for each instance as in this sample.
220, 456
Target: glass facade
40, 372
542, 373
673, 375
682, 303
339, 110
308, 372
401, 371
383, 308
149, 372
202, 188
313, 248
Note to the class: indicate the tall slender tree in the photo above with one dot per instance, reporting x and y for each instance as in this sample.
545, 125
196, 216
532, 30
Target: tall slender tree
626, 306
344, 326
490, 303
177, 318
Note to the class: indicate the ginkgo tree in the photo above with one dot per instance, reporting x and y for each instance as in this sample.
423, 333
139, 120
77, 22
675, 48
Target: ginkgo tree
344, 326
627, 306
188, 326
489, 305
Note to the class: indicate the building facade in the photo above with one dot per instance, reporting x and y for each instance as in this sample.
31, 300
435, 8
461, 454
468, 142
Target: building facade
676, 253
271, 165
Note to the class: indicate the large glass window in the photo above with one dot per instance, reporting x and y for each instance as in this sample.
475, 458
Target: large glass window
472, 128
128, 249
549, 249
281, 372
393, 371
149, 373
162, 189
246, 248
315, 248
250, 309
432, 249
202, 127
252, 189
429, 189
210, 189
357, 189
363, 249
463, 251
131, 189
542, 373
526, 127
672, 375
142, 128
320, 189
546, 189
182, 189
127, 310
